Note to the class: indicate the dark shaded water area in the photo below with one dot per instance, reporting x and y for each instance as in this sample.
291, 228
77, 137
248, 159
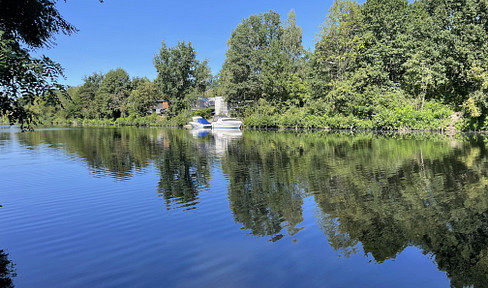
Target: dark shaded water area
137, 207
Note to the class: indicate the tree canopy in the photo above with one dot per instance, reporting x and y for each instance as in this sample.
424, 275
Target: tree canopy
180, 74
23, 78
33, 22
263, 60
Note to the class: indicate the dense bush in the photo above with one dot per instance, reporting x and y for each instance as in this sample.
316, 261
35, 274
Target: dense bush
434, 116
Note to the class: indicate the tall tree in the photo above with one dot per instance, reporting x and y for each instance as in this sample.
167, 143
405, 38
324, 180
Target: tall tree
284, 69
337, 52
339, 78
340, 44
461, 35
249, 43
82, 104
263, 60
110, 99
203, 77
292, 40
387, 22
179, 72
424, 71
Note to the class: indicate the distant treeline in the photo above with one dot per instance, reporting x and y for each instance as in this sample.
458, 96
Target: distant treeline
384, 64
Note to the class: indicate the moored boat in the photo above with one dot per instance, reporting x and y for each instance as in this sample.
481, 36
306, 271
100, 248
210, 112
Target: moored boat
200, 123
226, 123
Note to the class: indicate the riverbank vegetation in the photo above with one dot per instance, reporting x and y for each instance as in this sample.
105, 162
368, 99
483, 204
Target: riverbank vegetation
384, 65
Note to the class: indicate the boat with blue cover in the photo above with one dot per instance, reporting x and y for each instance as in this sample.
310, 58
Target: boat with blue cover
198, 122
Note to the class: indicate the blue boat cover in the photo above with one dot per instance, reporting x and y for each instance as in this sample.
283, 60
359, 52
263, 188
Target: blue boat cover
203, 121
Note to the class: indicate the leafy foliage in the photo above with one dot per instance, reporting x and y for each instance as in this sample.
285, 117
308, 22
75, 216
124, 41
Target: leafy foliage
265, 59
33, 22
24, 79
180, 74
142, 98
111, 96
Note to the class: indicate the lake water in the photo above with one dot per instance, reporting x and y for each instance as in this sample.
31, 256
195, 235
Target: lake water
137, 207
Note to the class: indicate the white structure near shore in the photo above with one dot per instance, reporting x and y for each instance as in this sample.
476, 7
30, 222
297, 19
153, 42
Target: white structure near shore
221, 107
217, 104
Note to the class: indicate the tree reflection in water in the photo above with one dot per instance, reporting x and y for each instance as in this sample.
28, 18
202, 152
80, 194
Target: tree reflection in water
425, 194
115, 152
374, 190
263, 193
378, 193
121, 152
7, 271
184, 169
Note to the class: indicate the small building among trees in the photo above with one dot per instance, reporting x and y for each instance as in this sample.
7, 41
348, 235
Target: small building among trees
159, 107
217, 104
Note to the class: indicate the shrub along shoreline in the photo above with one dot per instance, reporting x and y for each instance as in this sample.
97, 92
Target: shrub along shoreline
405, 118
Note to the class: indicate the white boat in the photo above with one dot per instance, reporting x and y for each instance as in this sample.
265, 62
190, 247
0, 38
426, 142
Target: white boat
226, 123
198, 122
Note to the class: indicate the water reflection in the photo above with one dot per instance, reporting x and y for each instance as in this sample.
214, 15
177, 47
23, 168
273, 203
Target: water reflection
424, 194
184, 170
118, 153
375, 193
4, 136
223, 139
371, 190
216, 142
7, 271
263, 193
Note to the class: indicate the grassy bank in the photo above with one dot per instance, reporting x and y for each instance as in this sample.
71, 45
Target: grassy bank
132, 120
433, 117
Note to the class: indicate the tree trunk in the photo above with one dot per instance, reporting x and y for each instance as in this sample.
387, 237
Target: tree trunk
424, 91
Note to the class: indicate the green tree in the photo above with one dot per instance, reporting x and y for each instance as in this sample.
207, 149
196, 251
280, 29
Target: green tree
462, 36
264, 60
203, 77
82, 104
296, 70
110, 98
33, 22
387, 22
340, 44
23, 79
245, 57
179, 74
142, 98
337, 77
292, 40
424, 72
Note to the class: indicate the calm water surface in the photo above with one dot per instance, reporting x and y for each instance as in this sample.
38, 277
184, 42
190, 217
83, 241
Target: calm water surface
136, 207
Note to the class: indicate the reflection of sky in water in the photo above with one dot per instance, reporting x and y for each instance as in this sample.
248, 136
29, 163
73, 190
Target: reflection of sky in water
158, 207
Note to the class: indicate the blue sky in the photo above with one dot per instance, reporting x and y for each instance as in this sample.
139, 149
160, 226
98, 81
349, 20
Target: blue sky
128, 33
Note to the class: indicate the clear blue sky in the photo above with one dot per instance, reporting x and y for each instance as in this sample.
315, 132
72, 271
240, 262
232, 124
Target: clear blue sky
128, 33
